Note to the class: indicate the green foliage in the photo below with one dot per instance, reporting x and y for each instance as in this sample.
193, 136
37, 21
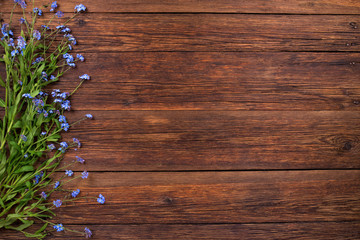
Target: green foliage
27, 164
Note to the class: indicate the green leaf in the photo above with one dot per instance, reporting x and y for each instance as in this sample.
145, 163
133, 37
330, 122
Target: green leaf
25, 169
2, 103
42, 228
18, 124
26, 224
2, 203
11, 196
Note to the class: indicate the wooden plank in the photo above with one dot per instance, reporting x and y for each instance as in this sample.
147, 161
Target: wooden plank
214, 32
218, 6
216, 81
216, 140
215, 197
278, 231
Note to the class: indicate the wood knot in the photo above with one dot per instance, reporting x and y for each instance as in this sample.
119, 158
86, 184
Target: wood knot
347, 146
168, 200
353, 25
352, 63
81, 22
356, 102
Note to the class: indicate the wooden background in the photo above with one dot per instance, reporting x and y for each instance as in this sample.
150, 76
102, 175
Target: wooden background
222, 119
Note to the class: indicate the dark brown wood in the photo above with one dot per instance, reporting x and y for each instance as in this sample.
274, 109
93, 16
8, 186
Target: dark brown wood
219, 6
216, 197
269, 231
216, 81
213, 32
216, 140
219, 81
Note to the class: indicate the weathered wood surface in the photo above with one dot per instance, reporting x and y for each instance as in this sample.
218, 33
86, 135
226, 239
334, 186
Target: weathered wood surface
217, 140
213, 6
217, 81
268, 231
216, 197
97, 32
174, 147
219, 32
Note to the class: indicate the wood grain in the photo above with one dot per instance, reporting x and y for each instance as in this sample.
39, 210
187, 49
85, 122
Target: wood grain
269, 231
214, 6
216, 197
216, 81
217, 140
214, 32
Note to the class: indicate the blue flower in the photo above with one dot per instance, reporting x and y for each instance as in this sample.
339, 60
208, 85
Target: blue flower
79, 159
66, 30
84, 77
22, 20
6, 32
89, 116
75, 140
44, 76
53, 6
10, 42
62, 118
57, 203
37, 60
22, 3
37, 35
75, 193
70, 47
43, 195
37, 11
72, 65
23, 137
59, 14
55, 92
80, 57
84, 174
80, 8
21, 43
88, 233
57, 184
43, 133
57, 100
14, 52
65, 126
26, 155
101, 199
51, 146
59, 227
63, 147
66, 105
27, 95
60, 27
70, 38
63, 95
69, 173
52, 77
38, 177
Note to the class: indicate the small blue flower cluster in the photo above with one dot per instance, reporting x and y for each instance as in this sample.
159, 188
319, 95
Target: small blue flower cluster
59, 227
38, 177
75, 193
22, 3
101, 199
57, 203
80, 8
69, 173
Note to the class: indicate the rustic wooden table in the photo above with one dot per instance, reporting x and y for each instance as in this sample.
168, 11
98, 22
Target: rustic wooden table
222, 119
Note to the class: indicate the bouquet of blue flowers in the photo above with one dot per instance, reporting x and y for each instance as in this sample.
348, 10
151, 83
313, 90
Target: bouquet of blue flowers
32, 120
